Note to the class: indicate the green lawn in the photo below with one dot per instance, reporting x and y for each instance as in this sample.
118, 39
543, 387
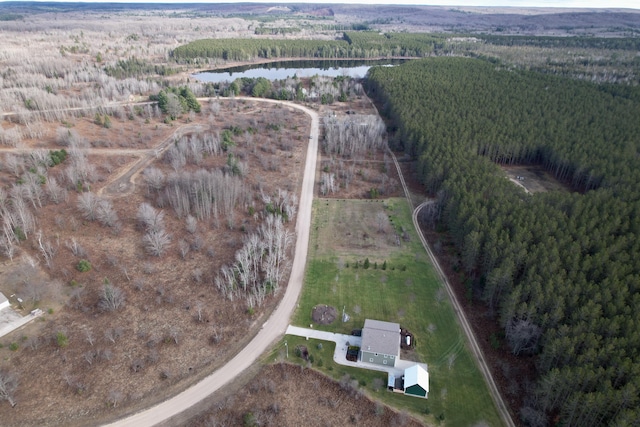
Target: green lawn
407, 292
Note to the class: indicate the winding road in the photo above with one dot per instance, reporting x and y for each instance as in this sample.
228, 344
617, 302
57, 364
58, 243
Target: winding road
275, 326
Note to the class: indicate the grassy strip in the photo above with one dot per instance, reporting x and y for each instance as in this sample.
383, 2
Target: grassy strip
408, 292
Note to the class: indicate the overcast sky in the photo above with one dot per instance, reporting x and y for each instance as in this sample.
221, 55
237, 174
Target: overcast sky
631, 4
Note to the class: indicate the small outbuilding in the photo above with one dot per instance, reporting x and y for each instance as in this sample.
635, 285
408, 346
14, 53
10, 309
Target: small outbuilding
416, 381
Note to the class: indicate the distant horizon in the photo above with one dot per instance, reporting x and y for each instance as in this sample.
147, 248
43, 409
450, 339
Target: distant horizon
562, 4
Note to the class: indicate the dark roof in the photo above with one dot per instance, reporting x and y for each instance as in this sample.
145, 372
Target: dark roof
381, 337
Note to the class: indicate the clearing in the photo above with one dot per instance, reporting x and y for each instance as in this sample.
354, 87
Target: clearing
390, 278
534, 179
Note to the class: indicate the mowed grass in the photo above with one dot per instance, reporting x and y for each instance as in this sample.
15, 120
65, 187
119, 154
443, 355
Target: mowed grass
407, 291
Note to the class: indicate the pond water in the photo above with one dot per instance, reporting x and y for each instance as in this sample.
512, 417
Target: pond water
283, 69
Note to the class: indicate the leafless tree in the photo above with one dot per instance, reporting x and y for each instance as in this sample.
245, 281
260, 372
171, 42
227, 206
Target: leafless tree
88, 336
523, 336
154, 178
106, 215
14, 164
382, 221
192, 224
89, 356
259, 264
151, 219
156, 242
183, 247
32, 290
353, 135
55, 191
197, 242
174, 108
111, 298
8, 386
328, 183
88, 205
113, 334
114, 398
47, 249
33, 342
75, 248
199, 317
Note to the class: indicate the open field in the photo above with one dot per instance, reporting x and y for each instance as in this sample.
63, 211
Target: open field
405, 290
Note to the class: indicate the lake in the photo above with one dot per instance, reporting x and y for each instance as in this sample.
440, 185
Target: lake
301, 68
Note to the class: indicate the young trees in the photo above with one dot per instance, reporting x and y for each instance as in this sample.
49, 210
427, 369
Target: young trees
259, 265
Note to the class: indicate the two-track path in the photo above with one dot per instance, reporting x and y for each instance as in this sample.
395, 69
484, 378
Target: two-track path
272, 329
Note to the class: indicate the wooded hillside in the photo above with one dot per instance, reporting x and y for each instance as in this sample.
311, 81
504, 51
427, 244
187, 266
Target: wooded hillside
561, 270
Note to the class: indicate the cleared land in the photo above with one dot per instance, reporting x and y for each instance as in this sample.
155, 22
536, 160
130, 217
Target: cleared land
175, 326
399, 285
533, 179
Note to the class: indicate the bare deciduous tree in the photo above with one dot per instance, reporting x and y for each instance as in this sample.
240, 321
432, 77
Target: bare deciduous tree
113, 334
154, 178
184, 248
192, 224
8, 386
151, 219
88, 205
106, 215
111, 298
156, 242
523, 336
55, 191
47, 249
75, 248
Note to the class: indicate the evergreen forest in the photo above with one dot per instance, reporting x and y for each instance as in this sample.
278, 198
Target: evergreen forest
560, 270
357, 44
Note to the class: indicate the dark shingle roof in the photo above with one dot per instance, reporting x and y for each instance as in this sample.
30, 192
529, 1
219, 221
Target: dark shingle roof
381, 337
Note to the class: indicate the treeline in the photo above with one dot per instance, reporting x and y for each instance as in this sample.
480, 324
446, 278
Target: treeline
134, 67
353, 45
620, 43
560, 270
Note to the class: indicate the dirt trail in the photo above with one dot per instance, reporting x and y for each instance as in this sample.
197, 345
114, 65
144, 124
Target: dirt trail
503, 411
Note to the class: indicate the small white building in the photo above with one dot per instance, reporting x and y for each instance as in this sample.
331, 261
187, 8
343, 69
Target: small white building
416, 381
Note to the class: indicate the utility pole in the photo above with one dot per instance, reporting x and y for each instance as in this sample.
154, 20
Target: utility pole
287, 347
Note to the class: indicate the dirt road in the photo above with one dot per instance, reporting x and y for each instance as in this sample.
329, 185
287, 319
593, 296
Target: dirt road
272, 329
466, 327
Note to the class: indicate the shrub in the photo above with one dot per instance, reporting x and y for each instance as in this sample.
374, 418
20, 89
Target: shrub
13, 346
83, 266
62, 340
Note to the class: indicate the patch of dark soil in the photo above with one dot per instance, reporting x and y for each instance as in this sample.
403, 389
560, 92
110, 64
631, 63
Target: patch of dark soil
324, 314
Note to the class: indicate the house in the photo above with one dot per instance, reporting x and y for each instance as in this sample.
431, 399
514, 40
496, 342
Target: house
416, 381
4, 302
380, 342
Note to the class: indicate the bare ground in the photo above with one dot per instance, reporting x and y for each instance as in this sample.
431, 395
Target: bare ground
534, 179
291, 395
